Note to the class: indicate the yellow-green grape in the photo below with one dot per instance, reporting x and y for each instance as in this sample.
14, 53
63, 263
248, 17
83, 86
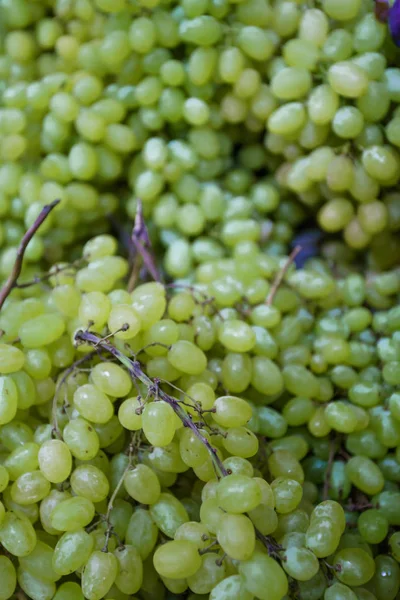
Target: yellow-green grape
99, 574
300, 563
373, 526
238, 494
282, 463
355, 566
236, 536
72, 513
148, 301
192, 450
11, 359
130, 414
187, 357
72, 552
386, 580
8, 400
142, 532
230, 411
93, 404
55, 461
90, 482
322, 536
111, 379
168, 513
142, 484
124, 321
17, 534
339, 590
365, 475
41, 331
81, 439
158, 423
236, 336
230, 587
130, 569
29, 488
287, 494
240, 441
177, 559
8, 578
263, 577
210, 573
194, 532
160, 336
94, 309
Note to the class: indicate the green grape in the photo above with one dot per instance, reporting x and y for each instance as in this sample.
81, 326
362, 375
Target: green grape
186, 357
130, 570
177, 559
142, 532
8, 400
386, 580
99, 574
365, 475
287, 494
300, 563
69, 591
158, 423
236, 536
355, 567
263, 577
29, 488
168, 513
238, 494
339, 591
142, 484
81, 439
89, 482
40, 561
8, 578
72, 551
322, 537
17, 534
37, 588
111, 379
72, 513
230, 587
55, 461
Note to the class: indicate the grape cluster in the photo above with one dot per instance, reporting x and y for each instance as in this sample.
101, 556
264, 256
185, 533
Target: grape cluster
210, 113
232, 433
233, 438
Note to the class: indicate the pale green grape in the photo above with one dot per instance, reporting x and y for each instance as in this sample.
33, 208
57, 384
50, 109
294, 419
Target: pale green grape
263, 577
236, 536
99, 574
72, 551
177, 559
142, 484
55, 461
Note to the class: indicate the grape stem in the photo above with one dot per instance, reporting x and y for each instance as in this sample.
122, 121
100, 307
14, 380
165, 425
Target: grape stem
52, 273
60, 383
328, 472
153, 386
281, 274
12, 281
142, 244
136, 372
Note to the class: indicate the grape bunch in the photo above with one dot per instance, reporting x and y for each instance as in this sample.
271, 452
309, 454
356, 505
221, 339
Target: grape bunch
235, 437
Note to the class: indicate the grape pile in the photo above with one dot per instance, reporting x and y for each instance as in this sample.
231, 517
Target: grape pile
215, 417
234, 438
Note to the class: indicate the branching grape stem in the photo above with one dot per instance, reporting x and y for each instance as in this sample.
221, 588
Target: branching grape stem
136, 372
281, 274
12, 281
